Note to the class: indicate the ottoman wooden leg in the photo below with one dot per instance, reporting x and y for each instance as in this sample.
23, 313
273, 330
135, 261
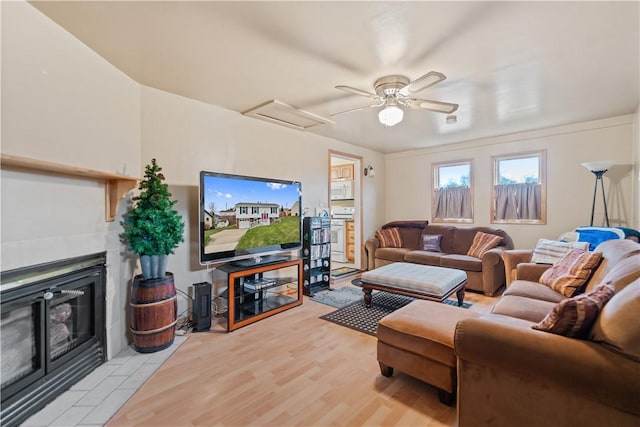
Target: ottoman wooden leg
446, 398
367, 297
385, 370
460, 295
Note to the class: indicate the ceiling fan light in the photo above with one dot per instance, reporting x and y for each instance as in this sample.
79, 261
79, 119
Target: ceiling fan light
390, 115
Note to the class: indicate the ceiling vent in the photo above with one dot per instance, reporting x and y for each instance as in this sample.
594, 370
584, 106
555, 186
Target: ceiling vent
278, 112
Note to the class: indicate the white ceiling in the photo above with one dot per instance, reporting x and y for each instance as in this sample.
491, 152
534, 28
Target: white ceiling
512, 66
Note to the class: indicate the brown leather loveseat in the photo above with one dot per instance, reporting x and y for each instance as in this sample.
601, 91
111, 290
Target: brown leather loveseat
485, 275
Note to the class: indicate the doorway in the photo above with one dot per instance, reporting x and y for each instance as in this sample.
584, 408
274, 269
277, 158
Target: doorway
345, 207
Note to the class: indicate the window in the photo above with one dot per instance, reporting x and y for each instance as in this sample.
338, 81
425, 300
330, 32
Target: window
519, 188
255, 210
452, 199
244, 210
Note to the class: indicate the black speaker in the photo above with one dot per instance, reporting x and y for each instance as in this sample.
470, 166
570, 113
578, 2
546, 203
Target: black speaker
201, 307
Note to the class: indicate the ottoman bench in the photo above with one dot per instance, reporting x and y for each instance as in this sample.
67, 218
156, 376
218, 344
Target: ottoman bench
415, 280
417, 339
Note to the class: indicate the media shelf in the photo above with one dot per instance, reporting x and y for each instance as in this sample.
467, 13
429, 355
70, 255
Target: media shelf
261, 291
316, 249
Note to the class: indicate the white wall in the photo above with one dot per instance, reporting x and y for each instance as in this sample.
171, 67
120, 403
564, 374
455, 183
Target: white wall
187, 136
63, 103
569, 185
636, 166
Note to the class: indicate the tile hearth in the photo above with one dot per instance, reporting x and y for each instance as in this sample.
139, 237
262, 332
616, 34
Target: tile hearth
97, 397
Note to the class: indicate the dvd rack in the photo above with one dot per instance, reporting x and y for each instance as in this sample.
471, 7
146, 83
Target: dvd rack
316, 247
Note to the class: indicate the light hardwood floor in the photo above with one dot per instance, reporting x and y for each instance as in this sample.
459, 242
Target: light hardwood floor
292, 369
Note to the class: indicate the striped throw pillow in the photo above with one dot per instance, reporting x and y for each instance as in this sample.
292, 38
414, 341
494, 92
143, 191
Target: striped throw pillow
552, 251
389, 238
571, 272
574, 317
482, 242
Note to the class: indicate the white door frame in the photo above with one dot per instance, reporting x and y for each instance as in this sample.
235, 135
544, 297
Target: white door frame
358, 221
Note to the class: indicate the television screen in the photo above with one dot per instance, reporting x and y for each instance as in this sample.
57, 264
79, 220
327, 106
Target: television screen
244, 217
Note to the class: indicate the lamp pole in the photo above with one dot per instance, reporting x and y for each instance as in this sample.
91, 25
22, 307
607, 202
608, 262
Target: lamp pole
598, 175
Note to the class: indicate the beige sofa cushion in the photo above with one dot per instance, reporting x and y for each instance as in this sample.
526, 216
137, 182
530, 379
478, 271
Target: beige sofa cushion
461, 262
392, 254
613, 251
618, 327
533, 310
624, 272
424, 257
533, 290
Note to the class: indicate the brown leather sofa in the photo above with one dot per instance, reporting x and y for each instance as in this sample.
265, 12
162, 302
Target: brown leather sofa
485, 275
510, 374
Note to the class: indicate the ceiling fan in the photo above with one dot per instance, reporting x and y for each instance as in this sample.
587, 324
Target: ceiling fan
394, 92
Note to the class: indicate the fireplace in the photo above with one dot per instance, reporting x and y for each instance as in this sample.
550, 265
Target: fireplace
52, 331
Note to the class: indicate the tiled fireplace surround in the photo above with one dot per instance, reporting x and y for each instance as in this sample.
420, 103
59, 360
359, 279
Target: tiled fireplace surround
64, 217
53, 331
99, 395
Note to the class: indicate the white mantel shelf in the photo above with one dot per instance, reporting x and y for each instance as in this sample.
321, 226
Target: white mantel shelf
116, 186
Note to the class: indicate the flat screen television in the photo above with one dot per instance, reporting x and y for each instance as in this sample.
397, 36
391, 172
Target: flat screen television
248, 219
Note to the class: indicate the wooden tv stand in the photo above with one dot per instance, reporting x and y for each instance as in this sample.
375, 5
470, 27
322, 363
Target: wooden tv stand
258, 292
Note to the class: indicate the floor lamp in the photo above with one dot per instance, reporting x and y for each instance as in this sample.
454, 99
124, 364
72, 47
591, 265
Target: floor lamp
599, 169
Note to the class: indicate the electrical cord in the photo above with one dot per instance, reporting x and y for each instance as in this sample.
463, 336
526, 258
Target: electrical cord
220, 307
184, 324
185, 294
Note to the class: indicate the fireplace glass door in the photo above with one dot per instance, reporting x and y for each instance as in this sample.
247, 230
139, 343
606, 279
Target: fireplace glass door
20, 344
70, 314
52, 331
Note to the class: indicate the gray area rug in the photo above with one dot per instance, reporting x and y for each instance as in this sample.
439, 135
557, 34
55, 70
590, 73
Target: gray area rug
337, 273
357, 316
339, 297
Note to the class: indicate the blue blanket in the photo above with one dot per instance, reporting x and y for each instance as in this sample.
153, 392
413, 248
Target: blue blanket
629, 232
596, 235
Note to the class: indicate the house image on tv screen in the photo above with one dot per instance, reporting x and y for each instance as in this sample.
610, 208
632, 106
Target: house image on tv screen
249, 215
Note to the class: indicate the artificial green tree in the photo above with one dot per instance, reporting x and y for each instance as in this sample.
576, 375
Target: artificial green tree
152, 227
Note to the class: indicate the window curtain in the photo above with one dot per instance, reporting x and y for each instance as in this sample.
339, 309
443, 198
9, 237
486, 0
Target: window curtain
453, 203
518, 201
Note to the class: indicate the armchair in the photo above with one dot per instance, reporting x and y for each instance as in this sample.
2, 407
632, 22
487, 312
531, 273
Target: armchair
511, 259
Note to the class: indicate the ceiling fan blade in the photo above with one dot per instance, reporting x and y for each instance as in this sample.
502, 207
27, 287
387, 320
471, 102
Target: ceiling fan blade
427, 104
358, 91
357, 109
423, 82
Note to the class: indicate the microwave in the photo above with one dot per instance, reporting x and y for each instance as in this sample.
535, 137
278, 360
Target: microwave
341, 190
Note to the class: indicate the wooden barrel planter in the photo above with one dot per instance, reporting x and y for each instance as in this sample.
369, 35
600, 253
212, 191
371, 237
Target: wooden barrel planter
153, 313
